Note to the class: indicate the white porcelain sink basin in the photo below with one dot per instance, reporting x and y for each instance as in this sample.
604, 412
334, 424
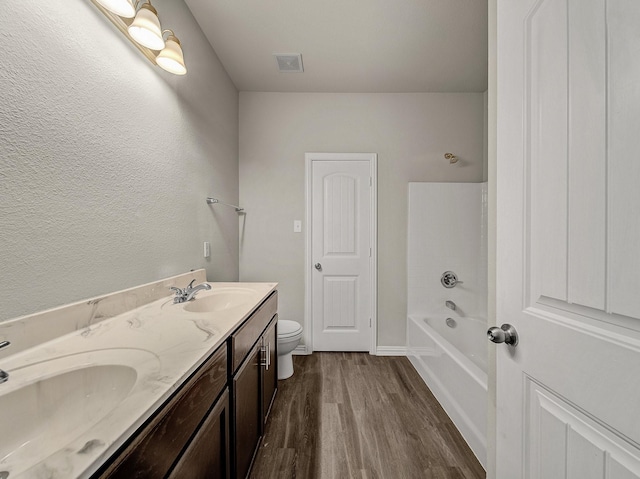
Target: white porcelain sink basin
222, 299
47, 405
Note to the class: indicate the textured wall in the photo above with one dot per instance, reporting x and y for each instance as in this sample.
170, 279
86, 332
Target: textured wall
106, 160
409, 132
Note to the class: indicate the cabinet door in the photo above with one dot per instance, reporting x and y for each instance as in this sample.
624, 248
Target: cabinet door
247, 412
207, 456
155, 448
269, 368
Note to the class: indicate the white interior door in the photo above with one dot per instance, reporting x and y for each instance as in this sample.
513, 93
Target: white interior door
568, 239
341, 226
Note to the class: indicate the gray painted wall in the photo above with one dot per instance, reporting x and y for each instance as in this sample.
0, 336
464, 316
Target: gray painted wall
409, 132
106, 160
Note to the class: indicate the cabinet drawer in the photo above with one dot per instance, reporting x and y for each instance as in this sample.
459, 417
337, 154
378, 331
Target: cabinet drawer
244, 338
155, 449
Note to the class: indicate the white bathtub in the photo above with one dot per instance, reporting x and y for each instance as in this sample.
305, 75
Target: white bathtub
454, 369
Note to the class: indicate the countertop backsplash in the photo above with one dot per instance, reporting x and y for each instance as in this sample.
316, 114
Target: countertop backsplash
31, 330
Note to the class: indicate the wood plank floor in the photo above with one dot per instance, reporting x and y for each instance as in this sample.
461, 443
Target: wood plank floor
353, 415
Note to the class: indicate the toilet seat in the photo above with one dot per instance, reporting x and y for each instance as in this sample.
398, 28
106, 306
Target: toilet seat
288, 329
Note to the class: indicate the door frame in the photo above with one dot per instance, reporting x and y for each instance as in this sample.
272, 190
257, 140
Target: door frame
372, 158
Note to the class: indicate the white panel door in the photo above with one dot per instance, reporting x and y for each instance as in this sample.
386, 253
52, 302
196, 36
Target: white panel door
341, 287
568, 239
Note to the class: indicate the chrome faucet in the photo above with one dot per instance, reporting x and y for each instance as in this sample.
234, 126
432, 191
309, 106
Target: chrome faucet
4, 376
189, 292
450, 304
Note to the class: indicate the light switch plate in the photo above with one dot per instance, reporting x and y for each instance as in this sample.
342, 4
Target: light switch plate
207, 249
297, 226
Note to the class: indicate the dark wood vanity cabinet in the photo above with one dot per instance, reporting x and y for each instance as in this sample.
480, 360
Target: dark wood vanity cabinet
253, 383
194, 422
207, 456
247, 428
212, 426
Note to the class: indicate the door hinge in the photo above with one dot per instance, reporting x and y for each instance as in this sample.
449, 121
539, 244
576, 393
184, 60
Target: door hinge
371, 181
369, 322
369, 252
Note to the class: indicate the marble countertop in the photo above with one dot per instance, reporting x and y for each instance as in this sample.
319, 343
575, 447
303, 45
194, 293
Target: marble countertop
163, 342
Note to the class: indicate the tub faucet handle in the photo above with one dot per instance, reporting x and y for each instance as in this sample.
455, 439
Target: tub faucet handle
450, 304
449, 279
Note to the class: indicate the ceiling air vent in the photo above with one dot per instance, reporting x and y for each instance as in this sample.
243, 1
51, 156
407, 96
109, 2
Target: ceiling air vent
289, 62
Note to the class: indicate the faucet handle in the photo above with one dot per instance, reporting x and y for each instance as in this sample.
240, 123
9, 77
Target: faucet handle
190, 285
4, 344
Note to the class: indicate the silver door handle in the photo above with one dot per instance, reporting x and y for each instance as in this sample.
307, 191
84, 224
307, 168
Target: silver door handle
268, 355
504, 334
318, 266
264, 356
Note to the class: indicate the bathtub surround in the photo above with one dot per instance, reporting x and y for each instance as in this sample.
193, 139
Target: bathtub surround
447, 233
105, 160
409, 132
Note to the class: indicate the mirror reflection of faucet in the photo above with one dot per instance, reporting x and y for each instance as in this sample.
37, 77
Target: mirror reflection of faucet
450, 304
4, 376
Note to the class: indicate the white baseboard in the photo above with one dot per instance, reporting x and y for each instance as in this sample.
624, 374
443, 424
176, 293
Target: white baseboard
301, 349
391, 351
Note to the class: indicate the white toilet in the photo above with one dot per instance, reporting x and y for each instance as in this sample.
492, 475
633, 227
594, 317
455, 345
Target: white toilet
289, 334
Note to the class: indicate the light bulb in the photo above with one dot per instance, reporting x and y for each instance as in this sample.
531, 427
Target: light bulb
122, 8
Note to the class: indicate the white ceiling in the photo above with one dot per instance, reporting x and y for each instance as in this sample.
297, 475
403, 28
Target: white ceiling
350, 45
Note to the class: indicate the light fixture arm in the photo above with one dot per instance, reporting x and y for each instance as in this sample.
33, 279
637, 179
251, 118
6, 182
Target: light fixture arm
138, 3
171, 34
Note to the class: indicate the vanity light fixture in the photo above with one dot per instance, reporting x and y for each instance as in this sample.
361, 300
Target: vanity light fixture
145, 28
138, 21
171, 58
122, 8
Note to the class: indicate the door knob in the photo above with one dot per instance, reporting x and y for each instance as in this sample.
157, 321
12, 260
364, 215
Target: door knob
504, 334
318, 266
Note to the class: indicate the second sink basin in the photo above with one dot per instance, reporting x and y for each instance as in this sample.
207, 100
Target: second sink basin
222, 299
